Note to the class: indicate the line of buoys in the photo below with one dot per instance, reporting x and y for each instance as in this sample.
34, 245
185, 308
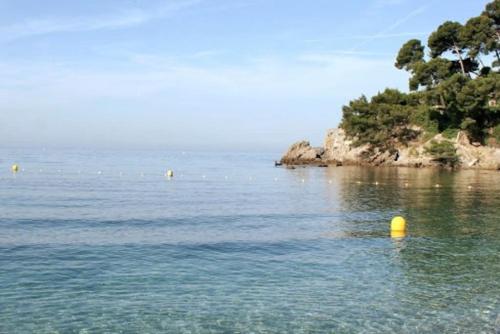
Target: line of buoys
169, 173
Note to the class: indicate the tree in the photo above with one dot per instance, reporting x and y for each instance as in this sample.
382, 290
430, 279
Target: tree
447, 38
473, 99
479, 35
381, 122
492, 11
411, 53
451, 114
431, 73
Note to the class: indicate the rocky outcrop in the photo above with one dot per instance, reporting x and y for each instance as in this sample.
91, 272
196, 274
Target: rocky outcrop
339, 150
302, 153
474, 156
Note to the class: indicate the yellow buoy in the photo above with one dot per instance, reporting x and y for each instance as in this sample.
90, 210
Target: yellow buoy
15, 168
398, 224
170, 173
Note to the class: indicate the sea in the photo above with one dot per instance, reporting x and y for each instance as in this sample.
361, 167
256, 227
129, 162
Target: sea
101, 241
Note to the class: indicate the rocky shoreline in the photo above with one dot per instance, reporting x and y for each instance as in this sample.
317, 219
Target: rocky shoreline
339, 150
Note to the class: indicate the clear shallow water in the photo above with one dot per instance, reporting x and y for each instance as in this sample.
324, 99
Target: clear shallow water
94, 242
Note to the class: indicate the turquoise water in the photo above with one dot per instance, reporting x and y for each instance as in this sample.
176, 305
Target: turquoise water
102, 242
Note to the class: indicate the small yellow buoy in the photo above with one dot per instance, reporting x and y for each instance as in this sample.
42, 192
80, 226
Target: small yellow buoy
15, 168
170, 173
398, 223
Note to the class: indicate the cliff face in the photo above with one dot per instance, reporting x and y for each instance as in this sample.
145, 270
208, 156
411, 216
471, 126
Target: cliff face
339, 150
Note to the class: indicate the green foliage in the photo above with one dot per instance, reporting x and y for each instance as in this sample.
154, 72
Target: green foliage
381, 122
445, 38
474, 101
443, 152
495, 133
422, 117
479, 36
492, 11
429, 74
411, 53
450, 133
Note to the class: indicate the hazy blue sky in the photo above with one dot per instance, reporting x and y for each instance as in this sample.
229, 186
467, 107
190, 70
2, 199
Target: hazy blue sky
229, 74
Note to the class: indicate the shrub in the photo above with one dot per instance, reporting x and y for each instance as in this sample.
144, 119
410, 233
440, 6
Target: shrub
443, 152
450, 133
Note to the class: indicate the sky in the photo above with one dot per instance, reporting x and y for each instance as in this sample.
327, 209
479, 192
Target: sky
199, 74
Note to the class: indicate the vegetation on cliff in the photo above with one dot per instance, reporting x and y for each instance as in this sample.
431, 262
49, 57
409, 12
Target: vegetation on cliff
454, 85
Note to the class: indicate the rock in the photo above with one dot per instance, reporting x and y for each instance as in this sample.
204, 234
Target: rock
339, 150
302, 153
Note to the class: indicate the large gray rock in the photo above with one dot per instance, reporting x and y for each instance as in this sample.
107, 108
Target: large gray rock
472, 156
302, 153
338, 148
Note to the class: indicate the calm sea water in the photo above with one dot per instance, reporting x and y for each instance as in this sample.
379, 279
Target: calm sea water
102, 242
